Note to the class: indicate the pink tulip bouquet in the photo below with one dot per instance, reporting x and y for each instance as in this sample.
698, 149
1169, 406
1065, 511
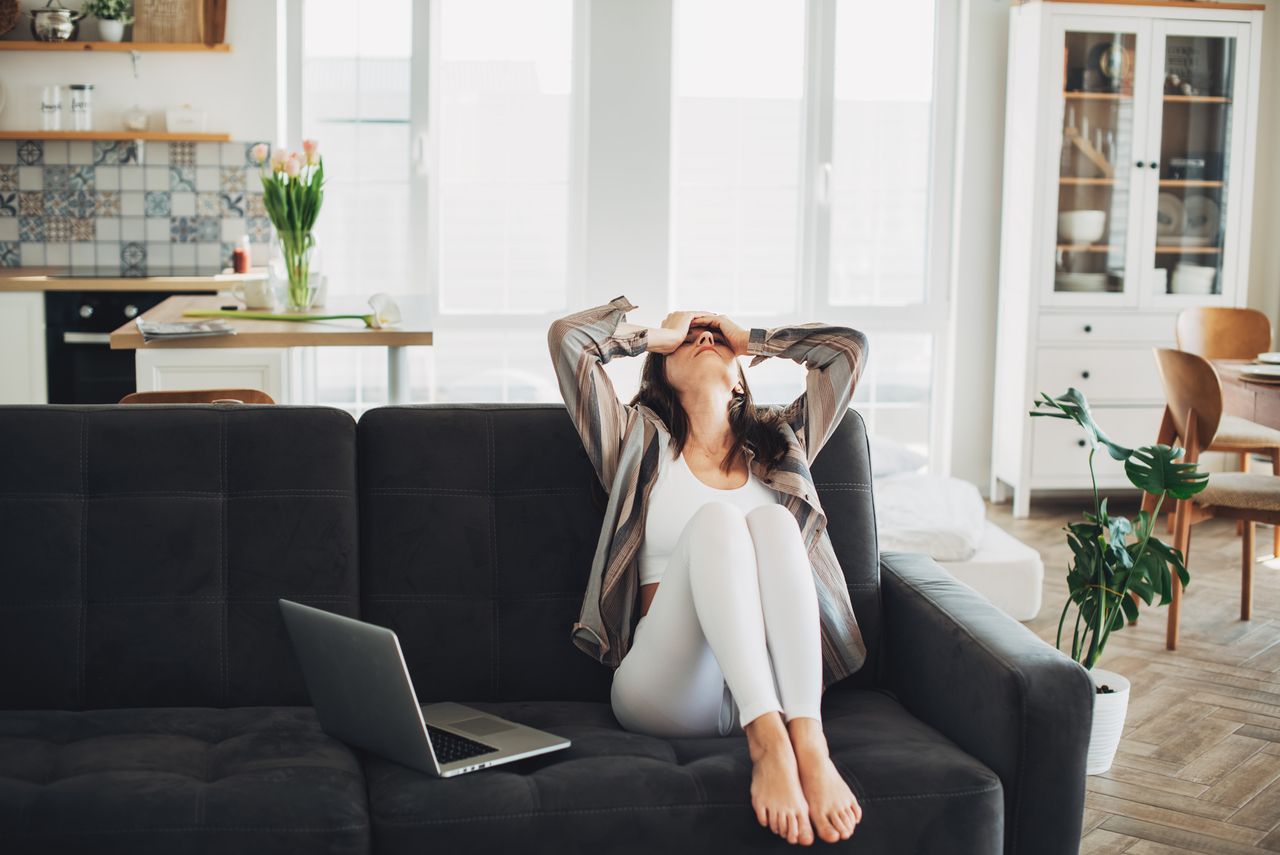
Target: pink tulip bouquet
292, 192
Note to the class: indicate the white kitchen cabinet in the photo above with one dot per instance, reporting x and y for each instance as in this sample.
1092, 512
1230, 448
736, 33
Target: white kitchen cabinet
22, 356
284, 373
1138, 123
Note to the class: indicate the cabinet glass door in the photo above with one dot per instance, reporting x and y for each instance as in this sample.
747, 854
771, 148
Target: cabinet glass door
1198, 82
1100, 124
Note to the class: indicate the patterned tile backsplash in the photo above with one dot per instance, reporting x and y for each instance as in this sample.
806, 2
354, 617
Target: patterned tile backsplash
165, 208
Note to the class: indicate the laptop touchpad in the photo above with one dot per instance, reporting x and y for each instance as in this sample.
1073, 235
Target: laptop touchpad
481, 726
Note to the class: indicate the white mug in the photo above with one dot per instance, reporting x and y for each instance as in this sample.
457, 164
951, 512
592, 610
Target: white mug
254, 293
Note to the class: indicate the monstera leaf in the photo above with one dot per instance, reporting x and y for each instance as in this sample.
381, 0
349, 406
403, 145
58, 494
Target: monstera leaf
1073, 406
1153, 468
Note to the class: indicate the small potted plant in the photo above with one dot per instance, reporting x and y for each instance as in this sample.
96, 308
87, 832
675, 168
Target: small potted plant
113, 16
1115, 562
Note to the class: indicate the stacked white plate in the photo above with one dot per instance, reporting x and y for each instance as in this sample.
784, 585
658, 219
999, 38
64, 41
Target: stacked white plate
1267, 372
1080, 282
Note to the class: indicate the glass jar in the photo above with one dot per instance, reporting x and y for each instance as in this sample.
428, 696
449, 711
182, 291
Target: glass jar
82, 106
51, 108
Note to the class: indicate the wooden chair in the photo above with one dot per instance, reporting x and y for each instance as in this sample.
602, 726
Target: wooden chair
1193, 414
199, 396
1226, 333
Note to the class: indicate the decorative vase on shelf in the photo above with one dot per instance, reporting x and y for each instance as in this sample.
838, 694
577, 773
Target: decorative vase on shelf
110, 31
292, 193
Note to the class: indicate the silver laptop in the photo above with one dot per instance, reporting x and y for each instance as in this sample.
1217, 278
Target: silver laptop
360, 687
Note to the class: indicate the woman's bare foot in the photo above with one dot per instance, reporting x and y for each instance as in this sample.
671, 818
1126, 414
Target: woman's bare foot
776, 794
832, 806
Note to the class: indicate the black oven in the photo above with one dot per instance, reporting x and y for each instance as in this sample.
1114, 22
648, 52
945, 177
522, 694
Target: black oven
82, 368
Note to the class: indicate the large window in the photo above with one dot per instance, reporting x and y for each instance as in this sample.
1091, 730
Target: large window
448, 149
737, 143
804, 184
503, 125
788, 150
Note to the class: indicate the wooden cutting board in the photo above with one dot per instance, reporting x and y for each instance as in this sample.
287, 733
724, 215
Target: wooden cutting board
168, 21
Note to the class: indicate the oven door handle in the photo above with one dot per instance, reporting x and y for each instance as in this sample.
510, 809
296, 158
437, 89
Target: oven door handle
86, 338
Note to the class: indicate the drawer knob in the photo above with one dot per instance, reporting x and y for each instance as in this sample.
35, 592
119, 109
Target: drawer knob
1088, 327
1084, 374
1080, 442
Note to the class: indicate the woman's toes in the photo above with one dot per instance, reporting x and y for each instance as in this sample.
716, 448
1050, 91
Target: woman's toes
826, 830
805, 829
844, 822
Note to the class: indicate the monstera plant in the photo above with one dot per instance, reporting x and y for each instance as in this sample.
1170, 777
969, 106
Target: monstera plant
1113, 556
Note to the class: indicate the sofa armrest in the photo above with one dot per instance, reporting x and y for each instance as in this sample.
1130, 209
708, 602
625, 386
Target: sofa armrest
998, 691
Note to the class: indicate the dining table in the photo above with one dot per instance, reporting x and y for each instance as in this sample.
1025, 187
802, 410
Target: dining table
1249, 398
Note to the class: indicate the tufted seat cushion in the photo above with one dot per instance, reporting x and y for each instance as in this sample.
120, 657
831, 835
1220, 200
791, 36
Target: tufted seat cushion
1235, 432
1241, 490
168, 779
919, 792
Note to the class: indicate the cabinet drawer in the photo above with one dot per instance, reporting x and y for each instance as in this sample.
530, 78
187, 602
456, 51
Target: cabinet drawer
1059, 449
1125, 375
1086, 327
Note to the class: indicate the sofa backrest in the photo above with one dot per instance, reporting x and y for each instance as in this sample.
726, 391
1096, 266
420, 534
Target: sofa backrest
142, 550
478, 526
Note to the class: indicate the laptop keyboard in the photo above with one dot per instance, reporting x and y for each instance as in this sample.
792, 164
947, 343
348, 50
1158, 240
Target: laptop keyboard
450, 747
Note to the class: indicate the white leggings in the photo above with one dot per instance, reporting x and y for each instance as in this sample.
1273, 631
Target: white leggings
734, 624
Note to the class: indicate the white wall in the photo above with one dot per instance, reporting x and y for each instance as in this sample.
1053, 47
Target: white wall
978, 243
238, 89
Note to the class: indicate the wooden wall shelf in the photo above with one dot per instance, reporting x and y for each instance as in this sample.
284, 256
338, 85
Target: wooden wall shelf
113, 136
114, 47
1196, 99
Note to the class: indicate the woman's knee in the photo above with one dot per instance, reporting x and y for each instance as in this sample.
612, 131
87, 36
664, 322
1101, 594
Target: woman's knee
718, 515
772, 521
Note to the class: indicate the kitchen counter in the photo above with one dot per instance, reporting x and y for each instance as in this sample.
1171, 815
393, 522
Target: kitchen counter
46, 279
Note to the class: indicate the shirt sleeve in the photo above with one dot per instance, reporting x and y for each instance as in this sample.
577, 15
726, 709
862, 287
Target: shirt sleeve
833, 357
580, 345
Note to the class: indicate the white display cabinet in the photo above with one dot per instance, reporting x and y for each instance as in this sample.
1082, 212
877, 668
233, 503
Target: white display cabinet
1128, 182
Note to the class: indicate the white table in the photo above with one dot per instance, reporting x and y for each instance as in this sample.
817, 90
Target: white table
274, 356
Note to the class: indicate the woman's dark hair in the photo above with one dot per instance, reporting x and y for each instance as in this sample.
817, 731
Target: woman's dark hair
757, 428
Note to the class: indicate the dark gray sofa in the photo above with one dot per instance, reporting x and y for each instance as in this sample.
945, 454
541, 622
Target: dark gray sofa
150, 701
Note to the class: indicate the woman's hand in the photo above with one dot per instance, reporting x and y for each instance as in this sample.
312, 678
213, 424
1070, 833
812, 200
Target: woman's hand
735, 335
677, 323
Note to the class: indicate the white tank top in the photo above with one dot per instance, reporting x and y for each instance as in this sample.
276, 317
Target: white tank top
676, 495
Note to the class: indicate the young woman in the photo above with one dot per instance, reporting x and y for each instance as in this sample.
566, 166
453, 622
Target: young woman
714, 534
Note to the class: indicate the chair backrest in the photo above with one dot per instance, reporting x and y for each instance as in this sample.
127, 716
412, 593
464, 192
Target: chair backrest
478, 524
199, 396
1223, 333
1191, 384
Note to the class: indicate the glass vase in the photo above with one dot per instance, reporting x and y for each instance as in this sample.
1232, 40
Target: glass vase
294, 269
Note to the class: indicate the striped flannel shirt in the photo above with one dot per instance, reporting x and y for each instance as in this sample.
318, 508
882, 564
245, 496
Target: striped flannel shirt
622, 443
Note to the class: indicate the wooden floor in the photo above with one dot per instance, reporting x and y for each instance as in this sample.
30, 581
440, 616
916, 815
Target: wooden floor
1198, 769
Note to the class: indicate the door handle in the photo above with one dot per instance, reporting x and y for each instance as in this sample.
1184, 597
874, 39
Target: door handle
86, 338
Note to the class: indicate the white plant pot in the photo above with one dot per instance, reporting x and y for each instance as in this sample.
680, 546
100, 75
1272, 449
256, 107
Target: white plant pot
110, 31
1108, 720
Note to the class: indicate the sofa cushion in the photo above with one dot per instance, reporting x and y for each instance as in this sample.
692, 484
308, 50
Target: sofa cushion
146, 546
478, 525
163, 780
616, 791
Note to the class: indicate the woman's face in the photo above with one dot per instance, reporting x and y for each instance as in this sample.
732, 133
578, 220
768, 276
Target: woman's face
704, 361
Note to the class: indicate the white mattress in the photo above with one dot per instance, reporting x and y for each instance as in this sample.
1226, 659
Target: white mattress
1004, 570
937, 516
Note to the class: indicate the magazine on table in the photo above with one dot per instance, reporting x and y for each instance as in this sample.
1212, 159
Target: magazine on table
153, 330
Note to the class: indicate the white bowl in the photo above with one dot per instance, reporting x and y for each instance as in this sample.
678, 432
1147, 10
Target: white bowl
1185, 283
1081, 226
1080, 282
